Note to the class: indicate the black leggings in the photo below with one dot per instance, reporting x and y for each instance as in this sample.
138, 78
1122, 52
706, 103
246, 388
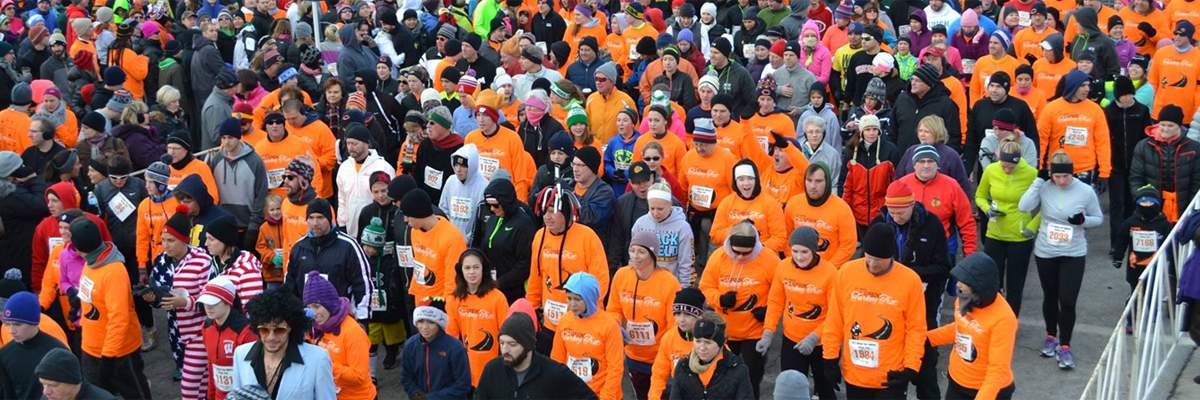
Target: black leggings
754, 360
1061, 278
810, 365
855, 392
954, 391
1012, 258
122, 376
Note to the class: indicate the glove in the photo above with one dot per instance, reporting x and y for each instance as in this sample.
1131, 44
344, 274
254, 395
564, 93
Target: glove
900, 378
1031, 58
73, 301
1044, 174
764, 343
1076, 219
994, 213
1101, 185
1028, 234
1147, 29
759, 313
729, 299
807, 345
833, 372
780, 141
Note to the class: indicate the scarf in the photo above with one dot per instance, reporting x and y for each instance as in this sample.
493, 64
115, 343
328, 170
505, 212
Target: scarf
310, 71
450, 141
333, 325
58, 117
697, 366
70, 269
272, 220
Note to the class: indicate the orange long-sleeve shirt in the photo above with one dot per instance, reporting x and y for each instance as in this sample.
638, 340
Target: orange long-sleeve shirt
350, 353
988, 65
1036, 99
68, 132
731, 137
877, 323
833, 220
199, 168
1029, 42
1081, 130
673, 148
751, 281
270, 102
435, 252
591, 348
136, 67
14, 131
782, 185
760, 127
295, 226
277, 155
504, 150
983, 347
764, 211
1047, 75
800, 297
104, 293
958, 95
1181, 10
707, 180
643, 306
317, 136
50, 286
555, 258
1174, 76
152, 217
672, 349
475, 320
270, 240
1157, 19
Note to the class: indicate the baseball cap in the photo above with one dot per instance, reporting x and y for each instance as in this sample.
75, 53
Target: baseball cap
218, 290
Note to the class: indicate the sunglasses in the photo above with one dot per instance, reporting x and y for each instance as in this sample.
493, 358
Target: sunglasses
651, 158
118, 177
741, 253
493, 205
600, 79
867, 38
273, 122
289, 177
264, 330
359, 82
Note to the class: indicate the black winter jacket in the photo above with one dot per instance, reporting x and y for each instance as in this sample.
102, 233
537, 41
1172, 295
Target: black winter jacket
1090, 38
385, 272
628, 209
1171, 166
909, 110
1126, 128
979, 120
506, 240
923, 243
545, 379
22, 207
338, 257
124, 232
537, 138
735, 80
731, 380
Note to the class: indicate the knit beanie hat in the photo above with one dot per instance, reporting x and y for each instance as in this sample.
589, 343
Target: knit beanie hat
158, 172
880, 241
710, 80
928, 74
704, 132
318, 290
120, 99
59, 365
876, 88
562, 142
432, 309
1023, 69
373, 235
451, 74
844, 10
1171, 113
179, 137
10, 162
230, 127
23, 308
300, 169
1073, 81
576, 115
590, 157
21, 94
926, 151
401, 185
1005, 119
416, 204
1001, 36
722, 45
320, 206
646, 239
358, 132
806, 236
868, 121
710, 328
519, 326
899, 195
224, 229
689, 301
85, 235
441, 115
94, 120
1001, 78
792, 385
179, 224
114, 76
1122, 86
609, 70
534, 54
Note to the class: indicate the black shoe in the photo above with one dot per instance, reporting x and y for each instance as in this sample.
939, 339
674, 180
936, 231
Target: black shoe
389, 360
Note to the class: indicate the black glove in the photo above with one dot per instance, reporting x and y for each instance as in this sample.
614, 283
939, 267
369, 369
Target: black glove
1031, 58
994, 213
1076, 219
900, 378
729, 299
1044, 174
1148, 29
759, 313
73, 301
780, 141
1101, 185
833, 372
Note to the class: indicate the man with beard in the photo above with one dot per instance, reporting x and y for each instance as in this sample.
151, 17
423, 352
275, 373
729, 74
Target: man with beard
983, 333
58, 66
522, 373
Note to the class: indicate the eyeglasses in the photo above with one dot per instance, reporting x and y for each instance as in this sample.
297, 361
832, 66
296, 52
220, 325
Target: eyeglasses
264, 330
656, 158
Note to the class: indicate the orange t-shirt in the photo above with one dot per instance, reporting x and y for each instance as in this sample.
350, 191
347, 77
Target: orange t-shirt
556, 258
277, 155
591, 348
435, 252
673, 150
643, 306
764, 211
751, 281
985, 67
199, 168
833, 220
14, 131
475, 320
317, 137
1029, 42
1047, 75
708, 180
1081, 130
350, 353
104, 292
800, 297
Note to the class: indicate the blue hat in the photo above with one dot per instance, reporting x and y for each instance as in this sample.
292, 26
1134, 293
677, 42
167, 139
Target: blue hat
114, 76
1073, 81
287, 74
925, 151
230, 127
23, 307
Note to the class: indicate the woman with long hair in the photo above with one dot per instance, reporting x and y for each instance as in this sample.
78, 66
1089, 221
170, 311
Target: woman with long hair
136, 66
931, 130
642, 310
476, 309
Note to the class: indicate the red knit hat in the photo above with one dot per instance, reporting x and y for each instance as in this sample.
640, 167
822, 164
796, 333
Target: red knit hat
899, 195
778, 46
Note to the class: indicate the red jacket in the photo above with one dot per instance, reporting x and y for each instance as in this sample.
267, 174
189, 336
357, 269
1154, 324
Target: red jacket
47, 230
942, 196
219, 343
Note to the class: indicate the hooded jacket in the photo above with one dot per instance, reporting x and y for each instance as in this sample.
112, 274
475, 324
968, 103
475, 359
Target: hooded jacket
46, 234
354, 57
1004, 191
242, 181
826, 112
354, 187
1126, 128
730, 379
989, 329
338, 257
461, 199
555, 259
867, 171
751, 281
536, 137
1091, 38
591, 343
920, 243
676, 249
205, 64
545, 379
1168, 164
1134, 232
22, 205
909, 110
194, 187
760, 208
502, 239
437, 369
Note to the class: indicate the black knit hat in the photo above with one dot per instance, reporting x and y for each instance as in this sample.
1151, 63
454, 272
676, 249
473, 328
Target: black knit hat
646, 46
85, 235
416, 204
927, 73
590, 157
880, 241
520, 327
182, 138
180, 224
59, 365
806, 236
401, 185
1001, 78
358, 132
710, 329
1122, 86
94, 120
320, 206
689, 301
723, 99
1171, 113
224, 229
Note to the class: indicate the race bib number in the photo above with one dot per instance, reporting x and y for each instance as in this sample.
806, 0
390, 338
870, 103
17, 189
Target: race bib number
582, 367
748, 51
488, 167
121, 206
968, 66
274, 177
640, 333
1076, 136
85, 289
419, 272
1024, 18
962, 346
1059, 234
554, 311
864, 353
1144, 241
460, 207
54, 241
404, 256
701, 196
764, 142
223, 377
378, 300
433, 177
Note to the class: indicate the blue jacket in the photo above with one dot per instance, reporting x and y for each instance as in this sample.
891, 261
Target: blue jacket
618, 155
437, 369
193, 187
584, 75
309, 374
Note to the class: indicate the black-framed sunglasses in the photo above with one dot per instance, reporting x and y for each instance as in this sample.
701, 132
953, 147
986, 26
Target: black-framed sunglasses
651, 158
741, 253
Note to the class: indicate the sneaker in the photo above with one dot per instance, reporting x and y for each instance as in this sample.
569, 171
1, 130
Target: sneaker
1066, 360
1049, 347
148, 339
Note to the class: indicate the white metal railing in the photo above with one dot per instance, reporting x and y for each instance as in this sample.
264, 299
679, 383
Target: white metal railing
1144, 365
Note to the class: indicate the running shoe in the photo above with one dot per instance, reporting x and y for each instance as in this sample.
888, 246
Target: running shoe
1066, 360
1049, 347
148, 339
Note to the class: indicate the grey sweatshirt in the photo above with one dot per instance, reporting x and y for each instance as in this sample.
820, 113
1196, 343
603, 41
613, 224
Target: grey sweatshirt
242, 183
675, 244
1057, 237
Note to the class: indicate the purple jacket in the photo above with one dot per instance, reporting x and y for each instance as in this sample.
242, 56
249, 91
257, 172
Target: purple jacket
950, 163
144, 148
1189, 279
1125, 52
970, 50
